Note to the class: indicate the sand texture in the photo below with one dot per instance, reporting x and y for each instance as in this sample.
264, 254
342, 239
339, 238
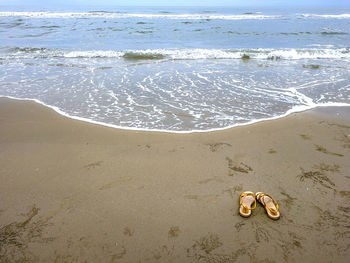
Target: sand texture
77, 192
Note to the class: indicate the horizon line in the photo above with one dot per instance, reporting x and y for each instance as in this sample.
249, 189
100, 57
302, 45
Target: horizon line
196, 6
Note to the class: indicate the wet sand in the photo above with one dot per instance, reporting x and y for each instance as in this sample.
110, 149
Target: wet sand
77, 192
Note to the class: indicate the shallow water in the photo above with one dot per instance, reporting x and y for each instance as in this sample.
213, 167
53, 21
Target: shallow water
180, 69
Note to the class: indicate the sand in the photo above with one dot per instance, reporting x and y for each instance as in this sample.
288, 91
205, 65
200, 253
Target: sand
72, 191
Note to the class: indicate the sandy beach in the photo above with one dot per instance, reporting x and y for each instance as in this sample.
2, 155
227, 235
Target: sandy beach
72, 191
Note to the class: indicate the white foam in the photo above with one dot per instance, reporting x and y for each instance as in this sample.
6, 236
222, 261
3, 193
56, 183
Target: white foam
340, 16
191, 54
295, 109
302, 97
122, 15
305, 54
256, 15
173, 54
321, 46
183, 54
93, 53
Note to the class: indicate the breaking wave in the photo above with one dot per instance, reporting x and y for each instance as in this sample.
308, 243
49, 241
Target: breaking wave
180, 54
164, 15
339, 16
103, 14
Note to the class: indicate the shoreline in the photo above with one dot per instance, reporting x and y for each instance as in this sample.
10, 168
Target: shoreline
73, 191
297, 109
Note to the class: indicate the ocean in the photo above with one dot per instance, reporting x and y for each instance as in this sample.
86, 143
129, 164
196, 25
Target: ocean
176, 69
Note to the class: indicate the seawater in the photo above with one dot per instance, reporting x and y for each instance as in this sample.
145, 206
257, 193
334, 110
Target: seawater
176, 69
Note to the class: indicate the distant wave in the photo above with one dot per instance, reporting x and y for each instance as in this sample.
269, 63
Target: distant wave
103, 14
164, 15
341, 16
333, 33
180, 54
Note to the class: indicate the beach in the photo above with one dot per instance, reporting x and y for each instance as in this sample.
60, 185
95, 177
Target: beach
73, 191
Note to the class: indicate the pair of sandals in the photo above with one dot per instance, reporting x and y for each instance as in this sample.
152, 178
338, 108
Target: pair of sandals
247, 203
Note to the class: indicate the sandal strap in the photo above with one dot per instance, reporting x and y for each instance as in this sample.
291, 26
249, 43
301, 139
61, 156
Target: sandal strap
241, 200
260, 195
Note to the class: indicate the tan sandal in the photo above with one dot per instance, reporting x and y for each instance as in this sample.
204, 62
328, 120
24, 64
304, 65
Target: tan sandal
270, 205
247, 203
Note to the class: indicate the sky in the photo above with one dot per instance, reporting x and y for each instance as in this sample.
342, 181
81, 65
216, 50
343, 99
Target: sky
48, 3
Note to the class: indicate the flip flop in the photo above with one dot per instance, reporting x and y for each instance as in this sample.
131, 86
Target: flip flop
270, 205
247, 203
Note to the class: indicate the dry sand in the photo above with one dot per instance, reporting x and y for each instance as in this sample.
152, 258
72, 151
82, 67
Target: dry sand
77, 192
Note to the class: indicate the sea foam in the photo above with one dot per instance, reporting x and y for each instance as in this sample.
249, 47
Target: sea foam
339, 16
184, 54
130, 15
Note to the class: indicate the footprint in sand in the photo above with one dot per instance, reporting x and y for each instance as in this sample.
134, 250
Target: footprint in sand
146, 146
345, 194
163, 252
345, 140
339, 125
261, 234
305, 136
322, 149
241, 168
173, 232
128, 232
15, 237
239, 226
93, 165
317, 177
288, 201
327, 167
205, 250
271, 151
217, 146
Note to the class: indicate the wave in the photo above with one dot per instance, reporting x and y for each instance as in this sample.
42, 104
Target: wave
165, 15
179, 54
103, 14
323, 33
90, 54
142, 56
340, 16
27, 49
295, 109
333, 33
